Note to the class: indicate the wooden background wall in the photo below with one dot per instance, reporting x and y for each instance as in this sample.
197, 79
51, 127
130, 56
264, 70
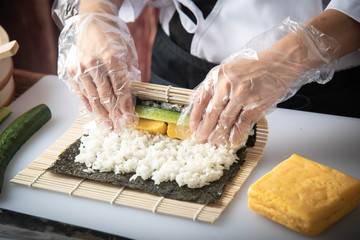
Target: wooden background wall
30, 23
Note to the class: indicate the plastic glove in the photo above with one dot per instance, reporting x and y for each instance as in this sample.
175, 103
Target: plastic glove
249, 84
97, 58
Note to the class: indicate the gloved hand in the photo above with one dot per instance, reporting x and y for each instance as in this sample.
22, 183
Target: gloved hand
97, 58
249, 84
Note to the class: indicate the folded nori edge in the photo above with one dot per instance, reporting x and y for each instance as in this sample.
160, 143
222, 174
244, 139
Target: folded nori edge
65, 164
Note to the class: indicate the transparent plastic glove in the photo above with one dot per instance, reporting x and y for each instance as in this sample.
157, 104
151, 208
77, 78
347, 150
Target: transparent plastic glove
249, 84
97, 58
64, 9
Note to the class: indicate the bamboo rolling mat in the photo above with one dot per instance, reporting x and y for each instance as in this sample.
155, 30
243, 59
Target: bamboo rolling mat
35, 175
149, 91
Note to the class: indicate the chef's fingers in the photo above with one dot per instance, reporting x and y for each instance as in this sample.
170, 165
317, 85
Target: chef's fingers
125, 101
228, 117
74, 85
124, 106
223, 89
89, 89
119, 74
253, 109
99, 73
245, 121
201, 100
83, 99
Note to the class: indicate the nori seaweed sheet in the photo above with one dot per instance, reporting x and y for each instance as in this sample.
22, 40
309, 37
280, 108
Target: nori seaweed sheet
207, 194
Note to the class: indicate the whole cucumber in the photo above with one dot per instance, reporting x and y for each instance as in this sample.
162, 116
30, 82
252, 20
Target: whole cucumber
18, 132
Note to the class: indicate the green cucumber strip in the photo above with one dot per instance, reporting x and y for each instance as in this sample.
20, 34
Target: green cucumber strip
4, 113
18, 132
157, 114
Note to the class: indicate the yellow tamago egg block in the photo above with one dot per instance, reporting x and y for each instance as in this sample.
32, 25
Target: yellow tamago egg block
151, 126
304, 195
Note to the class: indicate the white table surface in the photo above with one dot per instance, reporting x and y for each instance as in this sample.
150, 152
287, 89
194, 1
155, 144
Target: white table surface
331, 140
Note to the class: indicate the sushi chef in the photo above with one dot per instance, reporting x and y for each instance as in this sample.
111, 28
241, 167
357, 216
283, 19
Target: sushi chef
243, 58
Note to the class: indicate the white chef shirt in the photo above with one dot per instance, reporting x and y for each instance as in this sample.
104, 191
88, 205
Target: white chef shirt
232, 23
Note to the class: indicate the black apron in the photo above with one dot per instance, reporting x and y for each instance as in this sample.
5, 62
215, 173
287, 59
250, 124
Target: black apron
340, 96
172, 65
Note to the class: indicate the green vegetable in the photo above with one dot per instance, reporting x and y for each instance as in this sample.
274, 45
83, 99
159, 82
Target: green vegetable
157, 114
4, 113
18, 132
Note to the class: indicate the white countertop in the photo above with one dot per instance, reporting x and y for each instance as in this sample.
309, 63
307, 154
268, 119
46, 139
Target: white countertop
331, 140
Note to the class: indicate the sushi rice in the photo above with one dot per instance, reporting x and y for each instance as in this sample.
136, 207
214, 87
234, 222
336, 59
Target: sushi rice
151, 156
